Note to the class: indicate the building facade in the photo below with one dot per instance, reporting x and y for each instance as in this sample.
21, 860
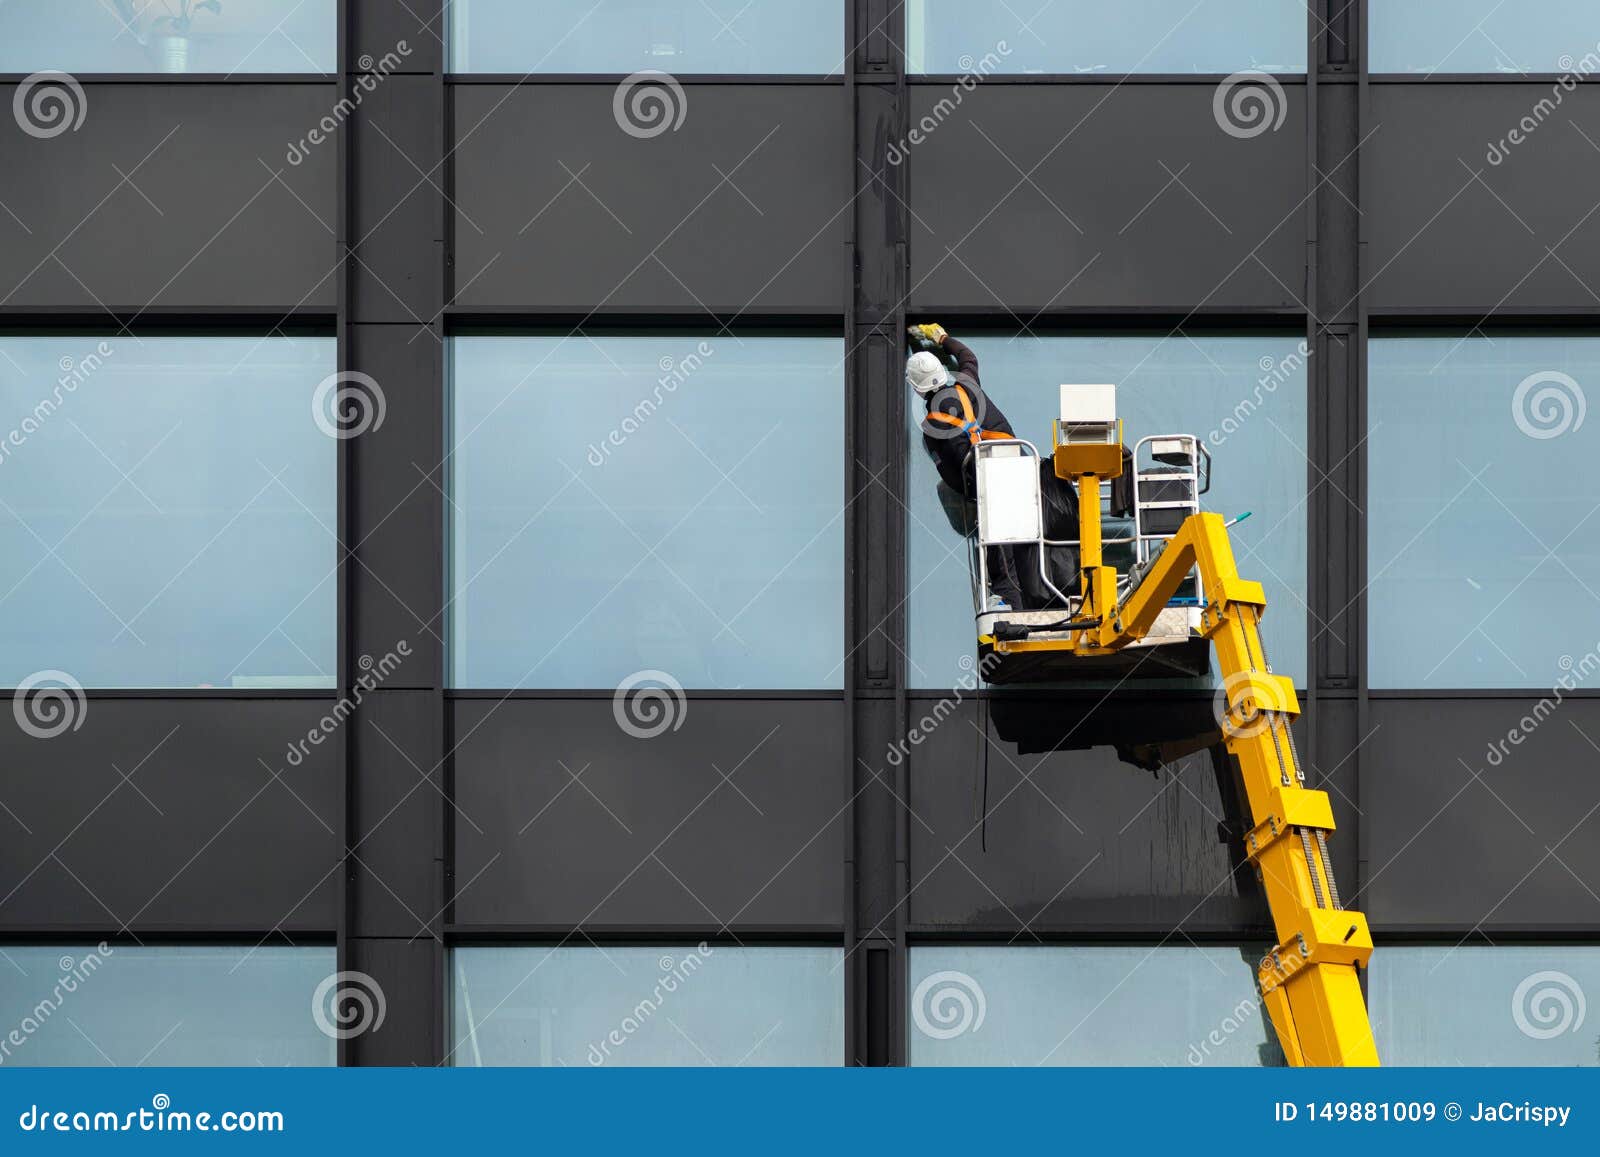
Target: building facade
475, 593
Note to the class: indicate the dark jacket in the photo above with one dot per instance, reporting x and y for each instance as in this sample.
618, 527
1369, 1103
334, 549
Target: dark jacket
948, 446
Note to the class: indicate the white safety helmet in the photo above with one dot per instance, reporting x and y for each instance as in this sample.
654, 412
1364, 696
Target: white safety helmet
925, 373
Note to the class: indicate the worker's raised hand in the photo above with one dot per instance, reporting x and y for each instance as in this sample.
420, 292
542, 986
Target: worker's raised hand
931, 332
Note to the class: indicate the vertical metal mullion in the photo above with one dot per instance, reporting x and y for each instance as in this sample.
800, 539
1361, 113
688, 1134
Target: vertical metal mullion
345, 489
1358, 39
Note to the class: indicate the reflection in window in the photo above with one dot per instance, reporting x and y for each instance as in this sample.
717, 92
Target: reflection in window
163, 1006
673, 1005
172, 36
792, 37
1483, 505
1244, 396
1087, 36
667, 503
166, 511
1483, 36
1052, 1005
1482, 1005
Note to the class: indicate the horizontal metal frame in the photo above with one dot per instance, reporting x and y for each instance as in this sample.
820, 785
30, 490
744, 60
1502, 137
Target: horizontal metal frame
552, 935
166, 78
460, 321
530, 79
1108, 79
467, 694
310, 936
168, 319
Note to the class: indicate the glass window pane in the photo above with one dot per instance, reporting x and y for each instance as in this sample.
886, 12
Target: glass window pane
1482, 1005
674, 1005
1054, 1005
173, 36
163, 1006
1483, 492
1089, 36
1245, 396
789, 37
166, 511
1483, 36
648, 503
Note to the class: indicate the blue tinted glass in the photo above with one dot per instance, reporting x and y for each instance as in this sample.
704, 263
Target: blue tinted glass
1483, 36
678, 36
1087, 36
1245, 396
168, 36
1049, 1005
672, 1005
669, 503
166, 511
169, 1006
1482, 1005
1483, 491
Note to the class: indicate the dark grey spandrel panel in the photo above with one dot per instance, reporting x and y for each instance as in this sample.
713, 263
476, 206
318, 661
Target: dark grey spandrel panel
1075, 838
1458, 842
211, 827
1088, 197
1449, 229
559, 208
565, 819
398, 222
399, 503
171, 196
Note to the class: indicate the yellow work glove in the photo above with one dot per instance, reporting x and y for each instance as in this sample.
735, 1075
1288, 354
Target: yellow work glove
931, 332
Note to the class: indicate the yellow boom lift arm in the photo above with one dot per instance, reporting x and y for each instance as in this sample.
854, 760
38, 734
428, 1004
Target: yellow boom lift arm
1310, 981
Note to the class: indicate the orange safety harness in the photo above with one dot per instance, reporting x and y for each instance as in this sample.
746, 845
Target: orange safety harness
968, 421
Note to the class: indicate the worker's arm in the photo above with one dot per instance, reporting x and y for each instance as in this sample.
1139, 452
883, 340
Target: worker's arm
966, 360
